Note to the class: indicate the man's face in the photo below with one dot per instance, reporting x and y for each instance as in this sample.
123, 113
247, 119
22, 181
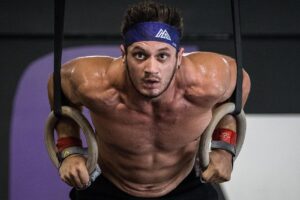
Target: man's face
151, 66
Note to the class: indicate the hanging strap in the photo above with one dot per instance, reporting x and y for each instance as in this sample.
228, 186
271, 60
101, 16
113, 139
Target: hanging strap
237, 95
59, 8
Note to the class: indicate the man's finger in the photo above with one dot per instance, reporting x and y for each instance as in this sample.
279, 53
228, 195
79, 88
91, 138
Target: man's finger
77, 181
208, 174
84, 177
69, 181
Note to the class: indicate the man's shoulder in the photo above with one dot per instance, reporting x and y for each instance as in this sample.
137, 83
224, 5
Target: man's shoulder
90, 70
208, 64
89, 62
207, 58
88, 78
89, 66
208, 74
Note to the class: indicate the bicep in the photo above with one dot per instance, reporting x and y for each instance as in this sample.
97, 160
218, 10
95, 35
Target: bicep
229, 73
232, 77
70, 82
246, 86
215, 76
50, 91
68, 86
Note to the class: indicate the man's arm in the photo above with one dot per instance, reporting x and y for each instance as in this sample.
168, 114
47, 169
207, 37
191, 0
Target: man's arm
220, 167
81, 80
65, 127
73, 170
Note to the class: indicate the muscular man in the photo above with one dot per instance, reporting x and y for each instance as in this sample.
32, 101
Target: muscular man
149, 108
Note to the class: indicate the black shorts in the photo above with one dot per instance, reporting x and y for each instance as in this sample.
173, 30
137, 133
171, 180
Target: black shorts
190, 188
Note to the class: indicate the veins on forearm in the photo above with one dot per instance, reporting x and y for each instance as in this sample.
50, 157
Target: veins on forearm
66, 127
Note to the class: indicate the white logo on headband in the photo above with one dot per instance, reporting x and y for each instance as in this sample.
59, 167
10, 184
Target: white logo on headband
163, 34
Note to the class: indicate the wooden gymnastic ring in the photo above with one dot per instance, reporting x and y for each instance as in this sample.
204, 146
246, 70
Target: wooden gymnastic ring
84, 124
206, 137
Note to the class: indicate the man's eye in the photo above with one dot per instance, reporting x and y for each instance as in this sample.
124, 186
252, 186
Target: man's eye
139, 56
163, 56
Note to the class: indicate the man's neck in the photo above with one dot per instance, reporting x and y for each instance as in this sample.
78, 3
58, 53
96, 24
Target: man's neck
146, 104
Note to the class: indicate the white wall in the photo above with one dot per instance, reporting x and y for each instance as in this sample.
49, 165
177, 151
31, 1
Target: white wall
268, 166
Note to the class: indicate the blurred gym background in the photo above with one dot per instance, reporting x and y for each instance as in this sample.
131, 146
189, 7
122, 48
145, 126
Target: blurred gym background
268, 165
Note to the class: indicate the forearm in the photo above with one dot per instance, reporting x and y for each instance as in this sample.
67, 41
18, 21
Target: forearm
228, 122
224, 136
222, 154
223, 133
65, 127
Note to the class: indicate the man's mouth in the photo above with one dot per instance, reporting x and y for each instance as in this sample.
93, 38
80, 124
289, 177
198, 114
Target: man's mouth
150, 83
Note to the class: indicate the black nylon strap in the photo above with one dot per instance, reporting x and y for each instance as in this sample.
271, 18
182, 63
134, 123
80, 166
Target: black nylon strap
59, 8
237, 95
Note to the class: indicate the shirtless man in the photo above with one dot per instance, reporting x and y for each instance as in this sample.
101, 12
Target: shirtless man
149, 108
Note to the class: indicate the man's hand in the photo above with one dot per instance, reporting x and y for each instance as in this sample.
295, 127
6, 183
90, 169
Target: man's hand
73, 171
219, 168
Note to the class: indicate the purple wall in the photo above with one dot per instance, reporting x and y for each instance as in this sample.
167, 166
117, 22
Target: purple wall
32, 174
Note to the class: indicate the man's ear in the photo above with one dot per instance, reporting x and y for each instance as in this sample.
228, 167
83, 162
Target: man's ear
179, 56
123, 51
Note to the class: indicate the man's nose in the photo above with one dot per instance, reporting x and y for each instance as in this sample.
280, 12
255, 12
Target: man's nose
151, 66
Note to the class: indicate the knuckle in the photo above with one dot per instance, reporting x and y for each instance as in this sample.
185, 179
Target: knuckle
62, 177
227, 178
222, 175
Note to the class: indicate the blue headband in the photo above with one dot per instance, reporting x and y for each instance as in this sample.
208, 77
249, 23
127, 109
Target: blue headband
152, 31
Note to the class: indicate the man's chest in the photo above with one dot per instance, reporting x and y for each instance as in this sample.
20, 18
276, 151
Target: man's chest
171, 126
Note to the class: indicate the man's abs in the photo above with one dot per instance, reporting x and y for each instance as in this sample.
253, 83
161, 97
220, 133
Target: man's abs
146, 174
148, 158
146, 150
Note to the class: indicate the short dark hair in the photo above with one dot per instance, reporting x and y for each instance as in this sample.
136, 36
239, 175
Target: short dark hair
146, 11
